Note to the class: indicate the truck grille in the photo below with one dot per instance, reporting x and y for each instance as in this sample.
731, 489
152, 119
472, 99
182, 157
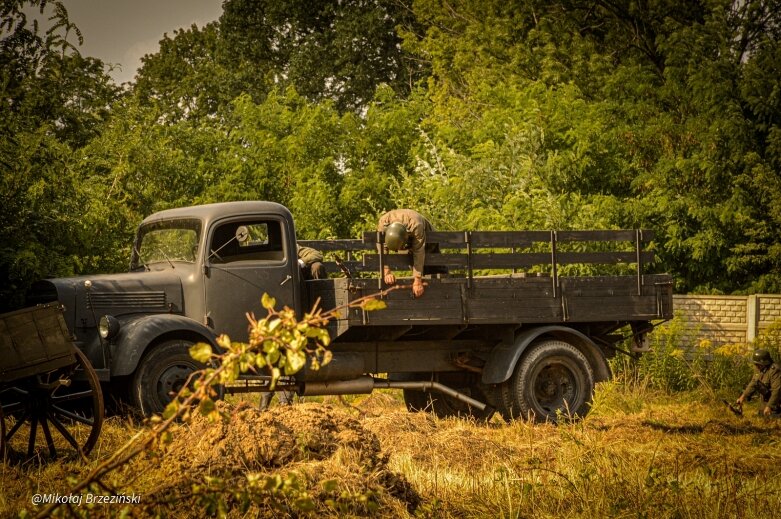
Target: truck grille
150, 300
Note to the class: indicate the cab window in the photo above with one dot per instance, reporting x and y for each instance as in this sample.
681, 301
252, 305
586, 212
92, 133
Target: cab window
248, 240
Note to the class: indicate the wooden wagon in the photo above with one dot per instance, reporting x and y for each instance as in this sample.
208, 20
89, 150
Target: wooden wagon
50, 396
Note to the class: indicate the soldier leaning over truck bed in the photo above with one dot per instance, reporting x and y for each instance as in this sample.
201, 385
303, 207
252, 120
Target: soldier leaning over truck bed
766, 382
406, 229
311, 262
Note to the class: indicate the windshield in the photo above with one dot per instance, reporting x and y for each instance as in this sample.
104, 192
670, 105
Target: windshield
169, 241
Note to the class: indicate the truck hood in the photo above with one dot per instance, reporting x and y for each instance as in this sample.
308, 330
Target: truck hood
87, 298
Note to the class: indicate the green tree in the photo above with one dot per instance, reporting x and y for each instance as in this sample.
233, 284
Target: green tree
338, 51
286, 150
138, 166
52, 101
184, 78
639, 117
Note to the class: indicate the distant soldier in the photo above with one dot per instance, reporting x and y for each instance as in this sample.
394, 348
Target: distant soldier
311, 263
766, 382
406, 229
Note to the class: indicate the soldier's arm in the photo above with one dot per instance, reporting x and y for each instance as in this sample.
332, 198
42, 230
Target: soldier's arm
310, 255
418, 251
751, 388
387, 273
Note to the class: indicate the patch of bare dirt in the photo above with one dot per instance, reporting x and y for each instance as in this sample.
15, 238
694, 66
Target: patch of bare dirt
254, 440
323, 445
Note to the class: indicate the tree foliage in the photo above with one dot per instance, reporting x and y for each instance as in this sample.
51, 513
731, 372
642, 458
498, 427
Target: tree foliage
52, 102
480, 114
338, 51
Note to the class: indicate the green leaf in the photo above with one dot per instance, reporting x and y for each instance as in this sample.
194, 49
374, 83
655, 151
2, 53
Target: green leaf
170, 409
274, 324
320, 334
206, 407
295, 361
304, 503
268, 302
201, 352
373, 304
330, 485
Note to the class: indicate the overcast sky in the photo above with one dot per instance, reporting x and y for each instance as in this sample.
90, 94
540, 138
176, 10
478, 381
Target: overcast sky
122, 31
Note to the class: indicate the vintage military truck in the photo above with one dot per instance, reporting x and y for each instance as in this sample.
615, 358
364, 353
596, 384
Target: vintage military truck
510, 326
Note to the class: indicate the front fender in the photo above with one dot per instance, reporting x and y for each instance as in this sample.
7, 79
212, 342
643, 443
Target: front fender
137, 335
501, 363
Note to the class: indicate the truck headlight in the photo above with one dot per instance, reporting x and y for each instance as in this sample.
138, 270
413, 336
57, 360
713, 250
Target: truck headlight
108, 326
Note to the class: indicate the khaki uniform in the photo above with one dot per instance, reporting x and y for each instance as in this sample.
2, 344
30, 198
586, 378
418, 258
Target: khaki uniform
767, 384
417, 227
313, 262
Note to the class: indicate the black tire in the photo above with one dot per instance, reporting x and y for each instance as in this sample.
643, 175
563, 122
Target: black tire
162, 372
445, 406
553, 379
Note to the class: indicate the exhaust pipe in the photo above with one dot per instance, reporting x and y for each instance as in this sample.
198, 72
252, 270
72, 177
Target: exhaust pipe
355, 386
366, 384
428, 385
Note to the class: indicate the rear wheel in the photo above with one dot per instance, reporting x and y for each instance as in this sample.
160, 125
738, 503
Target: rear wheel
161, 373
552, 380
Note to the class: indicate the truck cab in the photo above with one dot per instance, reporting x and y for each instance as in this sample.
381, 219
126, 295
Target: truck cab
232, 254
194, 274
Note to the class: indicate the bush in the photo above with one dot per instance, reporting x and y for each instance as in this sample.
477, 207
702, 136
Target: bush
680, 360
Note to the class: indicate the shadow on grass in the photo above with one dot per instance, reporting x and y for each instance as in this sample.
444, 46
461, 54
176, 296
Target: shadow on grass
711, 426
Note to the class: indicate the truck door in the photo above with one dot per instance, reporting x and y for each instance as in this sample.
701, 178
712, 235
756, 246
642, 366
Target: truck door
245, 258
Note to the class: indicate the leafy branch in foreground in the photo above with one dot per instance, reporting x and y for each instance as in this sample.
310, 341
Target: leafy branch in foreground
278, 343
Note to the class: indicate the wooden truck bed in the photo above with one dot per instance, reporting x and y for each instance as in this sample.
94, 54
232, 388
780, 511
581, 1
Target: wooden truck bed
523, 279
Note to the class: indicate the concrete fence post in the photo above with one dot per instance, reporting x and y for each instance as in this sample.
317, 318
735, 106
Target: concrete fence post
752, 318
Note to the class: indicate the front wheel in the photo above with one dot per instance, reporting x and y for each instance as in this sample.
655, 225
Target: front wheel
161, 373
552, 380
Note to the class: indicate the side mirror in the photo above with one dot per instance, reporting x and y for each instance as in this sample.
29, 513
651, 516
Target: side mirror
242, 233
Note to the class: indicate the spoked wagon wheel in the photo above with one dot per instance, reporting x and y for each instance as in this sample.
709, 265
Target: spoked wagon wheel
54, 412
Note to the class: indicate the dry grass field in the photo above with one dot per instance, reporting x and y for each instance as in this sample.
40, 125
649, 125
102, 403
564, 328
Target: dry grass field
639, 453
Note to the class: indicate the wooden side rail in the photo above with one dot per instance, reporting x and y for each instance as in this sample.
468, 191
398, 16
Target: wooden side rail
470, 257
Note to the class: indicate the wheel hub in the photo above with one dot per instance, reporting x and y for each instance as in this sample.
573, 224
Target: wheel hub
554, 386
172, 380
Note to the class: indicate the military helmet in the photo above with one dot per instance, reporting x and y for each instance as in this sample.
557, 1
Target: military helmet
395, 236
761, 358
